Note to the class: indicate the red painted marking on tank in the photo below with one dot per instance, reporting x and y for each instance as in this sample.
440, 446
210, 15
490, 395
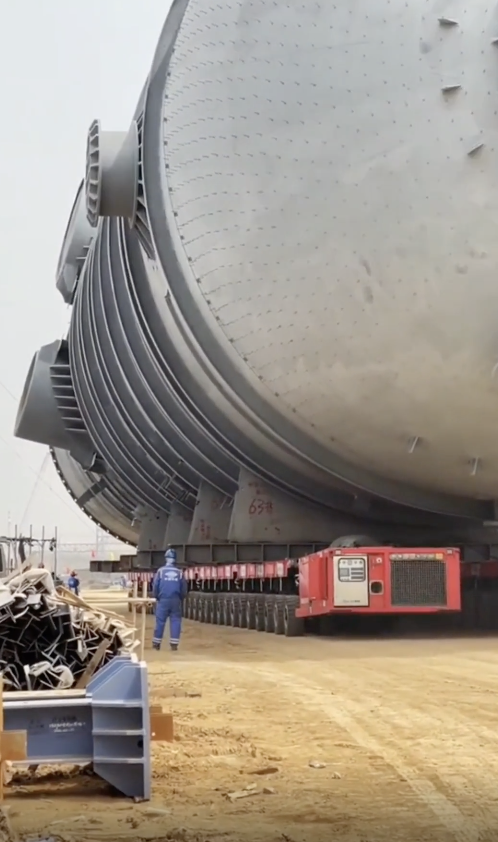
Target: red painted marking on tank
260, 506
204, 530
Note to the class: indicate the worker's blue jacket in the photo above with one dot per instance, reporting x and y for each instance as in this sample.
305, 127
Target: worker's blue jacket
169, 584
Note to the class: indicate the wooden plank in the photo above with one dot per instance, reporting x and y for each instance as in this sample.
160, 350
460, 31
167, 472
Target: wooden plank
93, 664
67, 596
2, 765
143, 623
130, 601
15, 695
161, 728
13, 745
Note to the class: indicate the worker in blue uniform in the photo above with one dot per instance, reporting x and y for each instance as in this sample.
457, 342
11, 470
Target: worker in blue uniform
73, 583
169, 590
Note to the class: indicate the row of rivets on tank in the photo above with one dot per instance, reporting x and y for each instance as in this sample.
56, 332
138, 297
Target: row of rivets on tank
475, 145
452, 87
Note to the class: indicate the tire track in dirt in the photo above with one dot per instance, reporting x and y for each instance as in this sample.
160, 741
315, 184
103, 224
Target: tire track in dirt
373, 701
448, 734
371, 735
381, 741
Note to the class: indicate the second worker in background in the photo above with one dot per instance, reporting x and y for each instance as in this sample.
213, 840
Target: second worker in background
169, 590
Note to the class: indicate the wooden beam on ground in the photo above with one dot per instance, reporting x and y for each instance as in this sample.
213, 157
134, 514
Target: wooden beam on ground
13, 744
161, 725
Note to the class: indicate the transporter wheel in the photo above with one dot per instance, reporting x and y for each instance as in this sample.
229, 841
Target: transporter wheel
268, 614
227, 618
242, 612
214, 608
214, 605
235, 612
220, 611
250, 612
216, 602
278, 614
259, 613
204, 607
208, 613
293, 626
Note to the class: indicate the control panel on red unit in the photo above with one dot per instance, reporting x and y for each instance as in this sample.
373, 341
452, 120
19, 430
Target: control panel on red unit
351, 581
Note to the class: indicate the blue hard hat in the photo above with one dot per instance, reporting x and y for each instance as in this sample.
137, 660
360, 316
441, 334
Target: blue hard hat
170, 555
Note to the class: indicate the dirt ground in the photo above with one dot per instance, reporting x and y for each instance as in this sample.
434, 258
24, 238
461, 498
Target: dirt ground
401, 735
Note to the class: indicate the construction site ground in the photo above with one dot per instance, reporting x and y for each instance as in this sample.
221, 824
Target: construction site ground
301, 739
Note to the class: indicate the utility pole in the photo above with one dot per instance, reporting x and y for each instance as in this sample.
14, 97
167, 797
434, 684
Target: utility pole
55, 551
9, 545
43, 546
20, 548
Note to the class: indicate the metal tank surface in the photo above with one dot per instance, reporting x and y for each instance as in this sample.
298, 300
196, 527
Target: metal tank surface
283, 281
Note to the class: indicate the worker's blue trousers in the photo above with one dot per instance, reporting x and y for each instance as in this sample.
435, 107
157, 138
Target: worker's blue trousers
171, 609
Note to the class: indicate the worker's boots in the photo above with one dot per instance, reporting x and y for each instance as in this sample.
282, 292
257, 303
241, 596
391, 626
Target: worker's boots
173, 647
156, 646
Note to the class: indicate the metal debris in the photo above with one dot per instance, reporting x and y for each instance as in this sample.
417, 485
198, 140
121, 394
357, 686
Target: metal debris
48, 639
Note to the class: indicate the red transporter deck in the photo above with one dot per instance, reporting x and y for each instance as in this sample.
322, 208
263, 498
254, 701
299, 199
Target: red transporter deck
367, 580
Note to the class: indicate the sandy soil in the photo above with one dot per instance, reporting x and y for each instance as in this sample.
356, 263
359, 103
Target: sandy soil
402, 736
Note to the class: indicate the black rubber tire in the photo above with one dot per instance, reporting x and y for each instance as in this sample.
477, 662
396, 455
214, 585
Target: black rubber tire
268, 614
242, 612
250, 612
293, 626
235, 612
278, 614
209, 608
220, 610
259, 612
202, 609
216, 600
226, 611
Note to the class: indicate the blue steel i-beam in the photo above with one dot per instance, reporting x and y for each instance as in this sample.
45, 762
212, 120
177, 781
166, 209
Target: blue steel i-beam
108, 724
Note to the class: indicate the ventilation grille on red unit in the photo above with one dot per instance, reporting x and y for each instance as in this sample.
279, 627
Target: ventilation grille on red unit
418, 584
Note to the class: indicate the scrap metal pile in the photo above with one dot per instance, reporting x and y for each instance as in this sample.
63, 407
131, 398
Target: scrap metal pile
49, 639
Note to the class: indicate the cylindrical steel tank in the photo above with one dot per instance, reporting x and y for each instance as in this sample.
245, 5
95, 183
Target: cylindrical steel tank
287, 263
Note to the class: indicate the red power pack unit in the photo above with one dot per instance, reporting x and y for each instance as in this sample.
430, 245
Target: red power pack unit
379, 580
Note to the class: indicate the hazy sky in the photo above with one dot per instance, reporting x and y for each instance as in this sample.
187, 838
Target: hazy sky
62, 64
